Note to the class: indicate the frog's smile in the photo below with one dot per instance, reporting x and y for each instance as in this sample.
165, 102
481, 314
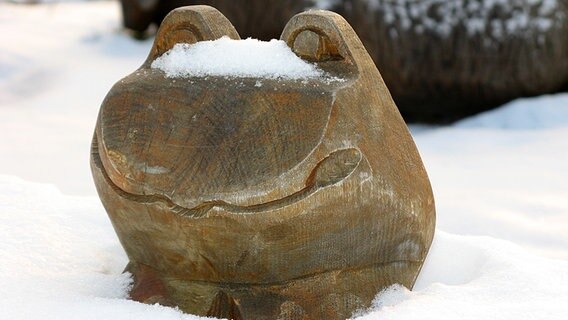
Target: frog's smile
331, 170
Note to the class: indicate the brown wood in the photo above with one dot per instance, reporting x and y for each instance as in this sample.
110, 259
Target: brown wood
299, 199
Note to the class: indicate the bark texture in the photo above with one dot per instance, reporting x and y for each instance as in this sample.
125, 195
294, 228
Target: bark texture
443, 60
299, 199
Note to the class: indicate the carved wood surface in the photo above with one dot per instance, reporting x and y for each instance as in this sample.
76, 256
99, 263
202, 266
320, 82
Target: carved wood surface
300, 199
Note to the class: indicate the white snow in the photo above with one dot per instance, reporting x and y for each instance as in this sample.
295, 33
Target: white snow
60, 258
235, 58
504, 173
474, 278
57, 62
499, 178
545, 112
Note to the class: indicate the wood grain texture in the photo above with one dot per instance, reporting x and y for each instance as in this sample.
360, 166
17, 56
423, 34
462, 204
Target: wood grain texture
295, 200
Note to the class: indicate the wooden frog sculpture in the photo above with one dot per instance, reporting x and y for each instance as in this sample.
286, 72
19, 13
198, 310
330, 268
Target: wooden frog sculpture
299, 199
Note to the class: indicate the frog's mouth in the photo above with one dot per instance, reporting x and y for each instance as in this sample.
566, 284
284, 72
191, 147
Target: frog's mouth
331, 170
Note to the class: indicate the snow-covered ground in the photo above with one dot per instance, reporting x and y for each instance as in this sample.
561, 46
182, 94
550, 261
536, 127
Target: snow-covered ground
500, 181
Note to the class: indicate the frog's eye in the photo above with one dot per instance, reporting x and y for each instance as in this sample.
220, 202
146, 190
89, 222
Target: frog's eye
191, 25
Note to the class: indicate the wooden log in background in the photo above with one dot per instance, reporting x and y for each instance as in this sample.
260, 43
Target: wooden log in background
442, 60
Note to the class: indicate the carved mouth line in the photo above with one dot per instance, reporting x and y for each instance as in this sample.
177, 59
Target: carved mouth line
334, 168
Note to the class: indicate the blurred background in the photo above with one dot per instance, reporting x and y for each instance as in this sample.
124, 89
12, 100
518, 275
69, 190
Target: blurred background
482, 84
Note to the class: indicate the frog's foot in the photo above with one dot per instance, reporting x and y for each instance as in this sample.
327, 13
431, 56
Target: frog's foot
148, 287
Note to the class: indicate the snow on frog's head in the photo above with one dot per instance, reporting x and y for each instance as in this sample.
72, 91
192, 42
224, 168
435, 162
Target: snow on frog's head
249, 58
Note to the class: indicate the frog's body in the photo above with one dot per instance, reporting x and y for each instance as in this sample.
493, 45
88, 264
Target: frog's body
295, 200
